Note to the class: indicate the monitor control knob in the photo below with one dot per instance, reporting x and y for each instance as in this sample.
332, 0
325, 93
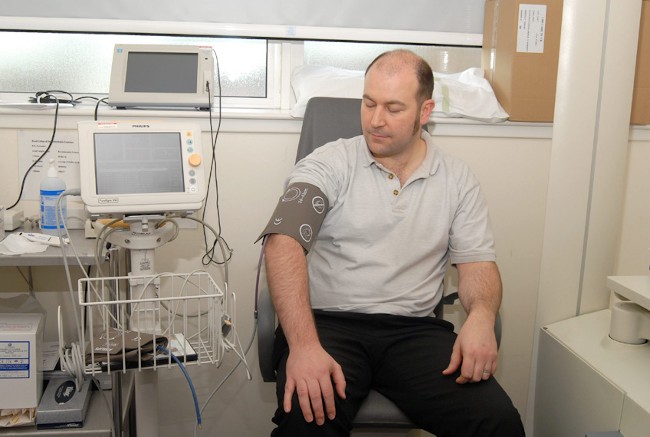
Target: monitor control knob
194, 160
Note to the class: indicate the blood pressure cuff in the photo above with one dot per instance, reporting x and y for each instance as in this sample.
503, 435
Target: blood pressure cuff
299, 214
116, 344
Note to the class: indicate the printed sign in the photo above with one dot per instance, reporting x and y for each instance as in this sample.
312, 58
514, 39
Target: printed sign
531, 28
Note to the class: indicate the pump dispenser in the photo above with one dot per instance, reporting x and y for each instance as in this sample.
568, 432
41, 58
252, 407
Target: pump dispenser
51, 188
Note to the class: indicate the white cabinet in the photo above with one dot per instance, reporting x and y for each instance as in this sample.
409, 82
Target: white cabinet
587, 382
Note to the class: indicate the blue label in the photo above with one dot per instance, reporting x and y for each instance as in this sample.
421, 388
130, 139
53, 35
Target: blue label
55, 193
14, 359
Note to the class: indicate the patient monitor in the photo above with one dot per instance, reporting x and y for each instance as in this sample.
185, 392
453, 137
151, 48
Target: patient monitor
129, 168
155, 75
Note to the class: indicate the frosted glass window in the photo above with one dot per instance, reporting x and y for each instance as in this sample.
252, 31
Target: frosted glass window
357, 56
81, 63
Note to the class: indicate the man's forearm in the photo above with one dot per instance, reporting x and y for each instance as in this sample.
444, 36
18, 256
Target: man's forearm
479, 287
286, 270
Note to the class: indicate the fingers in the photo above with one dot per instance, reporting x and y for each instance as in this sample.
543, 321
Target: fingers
327, 398
488, 371
309, 400
316, 397
339, 381
289, 388
476, 371
473, 367
315, 400
454, 362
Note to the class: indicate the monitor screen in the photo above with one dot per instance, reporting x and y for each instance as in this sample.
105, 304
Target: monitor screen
138, 163
131, 168
161, 72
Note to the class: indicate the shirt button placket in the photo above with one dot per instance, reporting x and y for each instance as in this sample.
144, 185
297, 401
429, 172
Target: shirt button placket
391, 177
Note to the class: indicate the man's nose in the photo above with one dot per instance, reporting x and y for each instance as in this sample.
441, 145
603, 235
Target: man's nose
377, 117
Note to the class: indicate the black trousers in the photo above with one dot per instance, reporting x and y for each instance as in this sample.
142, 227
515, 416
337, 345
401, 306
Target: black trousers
402, 358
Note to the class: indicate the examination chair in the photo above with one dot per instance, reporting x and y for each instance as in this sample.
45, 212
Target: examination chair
327, 119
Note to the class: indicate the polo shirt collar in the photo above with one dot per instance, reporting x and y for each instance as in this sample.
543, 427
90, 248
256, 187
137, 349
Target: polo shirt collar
428, 167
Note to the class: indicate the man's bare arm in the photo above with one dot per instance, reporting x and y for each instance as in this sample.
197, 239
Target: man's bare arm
475, 350
310, 369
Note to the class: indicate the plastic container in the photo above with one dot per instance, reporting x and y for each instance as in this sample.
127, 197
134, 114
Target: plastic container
51, 188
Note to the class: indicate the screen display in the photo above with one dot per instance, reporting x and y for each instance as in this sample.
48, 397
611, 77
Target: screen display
138, 163
151, 72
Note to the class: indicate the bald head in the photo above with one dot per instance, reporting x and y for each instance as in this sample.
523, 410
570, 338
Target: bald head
396, 60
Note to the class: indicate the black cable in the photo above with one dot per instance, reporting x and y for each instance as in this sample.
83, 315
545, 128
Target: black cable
98, 102
208, 257
50, 97
49, 146
97, 105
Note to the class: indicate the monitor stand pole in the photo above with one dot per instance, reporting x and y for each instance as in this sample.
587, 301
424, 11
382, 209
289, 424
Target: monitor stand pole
146, 234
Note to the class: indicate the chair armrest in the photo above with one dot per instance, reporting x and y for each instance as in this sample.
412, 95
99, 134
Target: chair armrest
452, 297
265, 334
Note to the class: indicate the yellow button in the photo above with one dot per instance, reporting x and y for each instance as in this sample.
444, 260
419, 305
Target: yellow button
395, 192
194, 159
391, 176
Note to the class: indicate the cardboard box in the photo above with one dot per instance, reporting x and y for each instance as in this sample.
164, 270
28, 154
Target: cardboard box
641, 95
521, 43
21, 377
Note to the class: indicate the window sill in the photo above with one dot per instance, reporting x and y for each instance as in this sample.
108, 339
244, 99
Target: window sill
246, 120
266, 121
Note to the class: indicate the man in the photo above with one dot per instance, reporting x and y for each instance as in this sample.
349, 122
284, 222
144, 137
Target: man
388, 210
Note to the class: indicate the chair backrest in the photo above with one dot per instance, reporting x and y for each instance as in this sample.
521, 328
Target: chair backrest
328, 119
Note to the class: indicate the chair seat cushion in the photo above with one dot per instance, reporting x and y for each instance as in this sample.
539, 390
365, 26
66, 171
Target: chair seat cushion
378, 411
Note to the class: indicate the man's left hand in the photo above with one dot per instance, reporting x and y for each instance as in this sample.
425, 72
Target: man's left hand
475, 350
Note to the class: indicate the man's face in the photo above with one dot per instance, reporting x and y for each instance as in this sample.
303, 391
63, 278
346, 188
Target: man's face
391, 116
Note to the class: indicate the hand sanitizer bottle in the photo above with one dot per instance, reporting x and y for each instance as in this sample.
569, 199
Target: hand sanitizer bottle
51, 188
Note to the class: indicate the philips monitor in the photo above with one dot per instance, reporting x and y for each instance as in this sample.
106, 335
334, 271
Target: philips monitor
129, 168
170, 76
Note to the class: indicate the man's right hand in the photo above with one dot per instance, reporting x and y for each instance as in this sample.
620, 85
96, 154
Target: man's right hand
310, 373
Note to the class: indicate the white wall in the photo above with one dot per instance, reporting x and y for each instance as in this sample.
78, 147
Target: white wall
633, 254
511, 161
253, 158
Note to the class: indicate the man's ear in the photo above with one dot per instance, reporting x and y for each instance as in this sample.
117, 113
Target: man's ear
426, 110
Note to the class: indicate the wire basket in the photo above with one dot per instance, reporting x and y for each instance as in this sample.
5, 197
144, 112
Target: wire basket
165, 314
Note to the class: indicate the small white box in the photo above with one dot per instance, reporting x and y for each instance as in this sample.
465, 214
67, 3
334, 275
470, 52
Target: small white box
12, 219
21, 375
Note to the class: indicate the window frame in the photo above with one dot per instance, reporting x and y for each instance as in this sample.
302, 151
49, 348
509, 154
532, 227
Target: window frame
274, 69
284, 47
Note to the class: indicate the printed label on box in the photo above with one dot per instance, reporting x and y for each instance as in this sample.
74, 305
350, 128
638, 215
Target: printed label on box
14, 359
531, 28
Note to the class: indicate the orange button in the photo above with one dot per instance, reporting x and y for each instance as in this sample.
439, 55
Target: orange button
194, 159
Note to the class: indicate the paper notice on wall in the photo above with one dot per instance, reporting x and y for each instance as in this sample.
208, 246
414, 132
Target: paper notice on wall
531, 28
64, 150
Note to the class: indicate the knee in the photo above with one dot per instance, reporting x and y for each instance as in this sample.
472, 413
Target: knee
501, 419
293, 423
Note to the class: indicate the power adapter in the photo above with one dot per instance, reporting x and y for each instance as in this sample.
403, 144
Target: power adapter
13, 218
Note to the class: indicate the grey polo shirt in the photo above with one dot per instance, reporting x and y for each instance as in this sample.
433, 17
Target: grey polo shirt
383, 248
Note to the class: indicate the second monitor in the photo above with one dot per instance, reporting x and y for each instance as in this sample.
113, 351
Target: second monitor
173, 76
